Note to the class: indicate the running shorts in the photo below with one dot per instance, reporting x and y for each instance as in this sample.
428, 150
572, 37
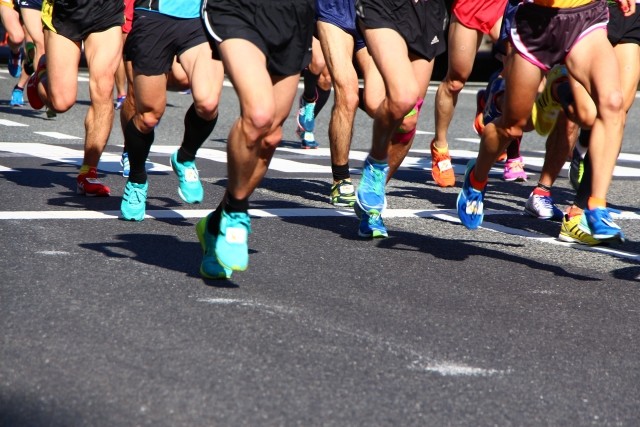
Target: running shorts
545, 35
342, 14
479, 15
155, 39
77, 19
128, 16
281, 29
30, 4
623, 29
421, 23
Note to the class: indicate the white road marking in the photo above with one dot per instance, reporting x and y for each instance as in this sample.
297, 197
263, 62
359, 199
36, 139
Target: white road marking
5, 122
57, 135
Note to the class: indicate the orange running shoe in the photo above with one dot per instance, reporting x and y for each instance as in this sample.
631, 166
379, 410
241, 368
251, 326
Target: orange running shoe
441, 168
90, 185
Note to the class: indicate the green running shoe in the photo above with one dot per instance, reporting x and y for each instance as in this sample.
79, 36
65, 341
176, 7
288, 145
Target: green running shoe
134, 201
232, 247
189, 185
343, 193
210, 268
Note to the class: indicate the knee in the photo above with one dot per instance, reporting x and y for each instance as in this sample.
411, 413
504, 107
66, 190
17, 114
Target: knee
257, 123
272, 139
400, 105
347, 97
207, 110
454, 84
611, 104
147, 121
60, 101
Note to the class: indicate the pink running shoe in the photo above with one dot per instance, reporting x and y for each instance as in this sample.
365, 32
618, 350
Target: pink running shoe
514, 170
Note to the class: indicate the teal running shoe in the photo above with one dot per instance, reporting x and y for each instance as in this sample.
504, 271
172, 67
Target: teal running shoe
126, 166
599, 224
15, 63
306, 116
134, 201
17, 97
232, 243
210, 268
189, 185
371, 194
371, 224
470, 202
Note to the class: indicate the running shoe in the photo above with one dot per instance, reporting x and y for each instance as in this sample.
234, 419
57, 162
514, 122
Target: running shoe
481, 100
119, 101
470, 202
134, 201
495, 90
124, 162
89, 184
308, 140
15, 63
371, 225
232, 247
343, 193
514, 170
576, 169
32, 85
570, 232
371, 192
542, 207
51, 115
546, 109
210, 268
17, 97
27, 63
189, 186
599, 224
306, 116
441, 167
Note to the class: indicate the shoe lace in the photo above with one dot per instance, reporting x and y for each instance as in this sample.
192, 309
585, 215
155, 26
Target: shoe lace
136, 195
375, 180
237, 219
515, 165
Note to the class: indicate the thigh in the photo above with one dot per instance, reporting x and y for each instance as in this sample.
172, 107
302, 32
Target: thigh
463, 45
628, 55
103, 51
337, 47
205, 74
521, 89
62, 64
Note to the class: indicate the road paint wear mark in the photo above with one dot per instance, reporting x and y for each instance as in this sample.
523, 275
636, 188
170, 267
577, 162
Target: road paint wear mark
456, 369
53, 253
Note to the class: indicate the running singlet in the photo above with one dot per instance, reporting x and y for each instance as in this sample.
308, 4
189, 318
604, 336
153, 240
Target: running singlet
562, 4
176, 8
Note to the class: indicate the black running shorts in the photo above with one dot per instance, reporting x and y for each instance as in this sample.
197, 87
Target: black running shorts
77, 19
281, 29
421, 23
155, 39
623, 29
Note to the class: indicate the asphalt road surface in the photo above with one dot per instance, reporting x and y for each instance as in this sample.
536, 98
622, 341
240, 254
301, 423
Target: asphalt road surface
107, 322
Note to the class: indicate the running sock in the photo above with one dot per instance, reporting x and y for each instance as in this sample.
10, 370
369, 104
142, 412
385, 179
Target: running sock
340, 172
84, 169
441, 150
309, 92
196, 132
323, 97
478, 185
138, 147
584, 189
228, 204
594, 202
513, 149
583, 139
542, 190
376, 161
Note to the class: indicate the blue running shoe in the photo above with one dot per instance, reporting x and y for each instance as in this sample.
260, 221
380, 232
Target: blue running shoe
15, 63
495, 90
124, 162
371, 224
210, 268
17, 97
134, 201
599, 224
306, 116
232, 242
308, 141
470, 202
371, 192
189, 185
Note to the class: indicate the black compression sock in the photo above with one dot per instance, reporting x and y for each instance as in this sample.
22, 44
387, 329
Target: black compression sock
138, 147
196, 131
340, 172
310, 85
323, 97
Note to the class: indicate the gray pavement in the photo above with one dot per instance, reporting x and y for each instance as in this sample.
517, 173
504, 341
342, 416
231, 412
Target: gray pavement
107, 322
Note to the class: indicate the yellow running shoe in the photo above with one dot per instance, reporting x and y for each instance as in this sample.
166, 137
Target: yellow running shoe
570, 232
546, 108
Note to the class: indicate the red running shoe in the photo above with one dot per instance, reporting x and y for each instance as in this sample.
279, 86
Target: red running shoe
90, 185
